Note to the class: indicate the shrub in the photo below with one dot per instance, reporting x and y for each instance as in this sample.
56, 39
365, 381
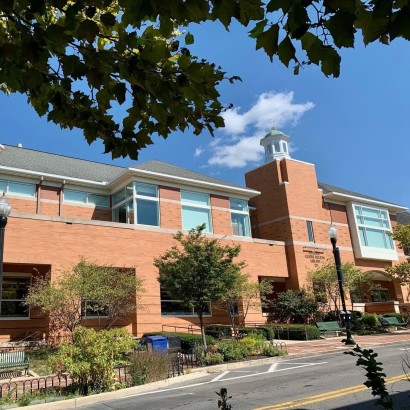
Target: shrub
91, 357
219, 331
253, 331
296, 332
147, 367
231, 350
369, 320
253, 344
272, 351
213, 358
188, 340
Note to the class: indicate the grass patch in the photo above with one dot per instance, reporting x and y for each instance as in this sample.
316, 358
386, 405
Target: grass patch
39, 361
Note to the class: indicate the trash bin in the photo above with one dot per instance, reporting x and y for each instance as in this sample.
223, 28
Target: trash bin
174, 343
157, 343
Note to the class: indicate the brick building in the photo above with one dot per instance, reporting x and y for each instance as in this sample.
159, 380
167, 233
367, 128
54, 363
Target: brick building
64, 208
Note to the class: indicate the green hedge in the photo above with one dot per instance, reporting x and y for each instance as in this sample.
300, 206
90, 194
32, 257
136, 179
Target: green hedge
188, 340
266, 331
296, 332
221, 330
252, 330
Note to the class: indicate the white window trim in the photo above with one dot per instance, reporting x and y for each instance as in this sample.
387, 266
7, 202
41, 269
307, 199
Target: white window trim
65, 201
368, 252
207, 207
234, 211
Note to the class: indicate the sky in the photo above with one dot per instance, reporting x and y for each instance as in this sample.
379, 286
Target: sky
353, 128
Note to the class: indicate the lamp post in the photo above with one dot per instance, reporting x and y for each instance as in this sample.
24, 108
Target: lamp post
345, 314
5, 209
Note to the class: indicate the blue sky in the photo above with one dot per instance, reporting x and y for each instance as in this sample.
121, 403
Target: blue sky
353, 128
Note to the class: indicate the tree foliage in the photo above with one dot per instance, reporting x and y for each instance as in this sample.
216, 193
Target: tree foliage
200, 272
324, 282
77, 61
295, 306
108, 291
243, 296
91, 357
401, 271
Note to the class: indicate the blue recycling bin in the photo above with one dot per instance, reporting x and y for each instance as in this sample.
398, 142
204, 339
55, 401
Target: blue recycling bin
157, 343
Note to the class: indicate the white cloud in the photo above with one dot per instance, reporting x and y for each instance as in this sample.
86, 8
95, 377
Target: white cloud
198, 152
243, 132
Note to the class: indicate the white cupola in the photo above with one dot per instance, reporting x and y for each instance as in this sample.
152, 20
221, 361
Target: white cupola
276, 146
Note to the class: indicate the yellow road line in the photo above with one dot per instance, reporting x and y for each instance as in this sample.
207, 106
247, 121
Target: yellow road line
327, 396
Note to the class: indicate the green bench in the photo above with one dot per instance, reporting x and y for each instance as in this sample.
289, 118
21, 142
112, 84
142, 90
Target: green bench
391, 321
334, 327
14, 361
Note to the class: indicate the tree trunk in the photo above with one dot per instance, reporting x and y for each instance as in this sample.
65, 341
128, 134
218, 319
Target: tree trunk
201, 324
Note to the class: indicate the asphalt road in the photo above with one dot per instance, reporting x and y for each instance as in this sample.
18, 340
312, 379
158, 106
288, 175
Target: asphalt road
329, 381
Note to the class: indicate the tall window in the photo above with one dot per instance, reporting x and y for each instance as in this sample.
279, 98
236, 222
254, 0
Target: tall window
15, 288
374, 227
17, 188
240, 217
141, 208
171, 307
309, 227
195, 210
147, 204
82, 197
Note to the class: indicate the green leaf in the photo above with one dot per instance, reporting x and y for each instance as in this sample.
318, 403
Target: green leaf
88, 30
400, 24
298, 20
166, 26
258, 29
119, 91
268, 40
250, 10
103, 99
225, 10
286, 51
108, 19
341, 27
330, 62
313, 47
189, 39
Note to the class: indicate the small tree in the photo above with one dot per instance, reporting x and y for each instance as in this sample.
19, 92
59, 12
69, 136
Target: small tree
401, 271
245, 294
325, 285
109, 291
295, 306
91, 357
201, 272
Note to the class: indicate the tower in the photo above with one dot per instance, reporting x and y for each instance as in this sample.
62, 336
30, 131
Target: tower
275, 144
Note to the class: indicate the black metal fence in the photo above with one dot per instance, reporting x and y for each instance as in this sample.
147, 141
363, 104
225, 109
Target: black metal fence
60, 385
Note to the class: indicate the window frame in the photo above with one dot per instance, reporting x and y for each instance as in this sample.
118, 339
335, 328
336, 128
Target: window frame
194, 314
86, 202
15, 275
133, 198
245, 212
207, 208
9, 192
362, 227
310, 231
90, 317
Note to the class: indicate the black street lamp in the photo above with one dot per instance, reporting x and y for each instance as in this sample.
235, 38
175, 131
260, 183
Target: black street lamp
345, 314
5, 209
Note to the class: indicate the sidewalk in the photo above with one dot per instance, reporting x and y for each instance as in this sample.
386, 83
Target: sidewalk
335, 343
